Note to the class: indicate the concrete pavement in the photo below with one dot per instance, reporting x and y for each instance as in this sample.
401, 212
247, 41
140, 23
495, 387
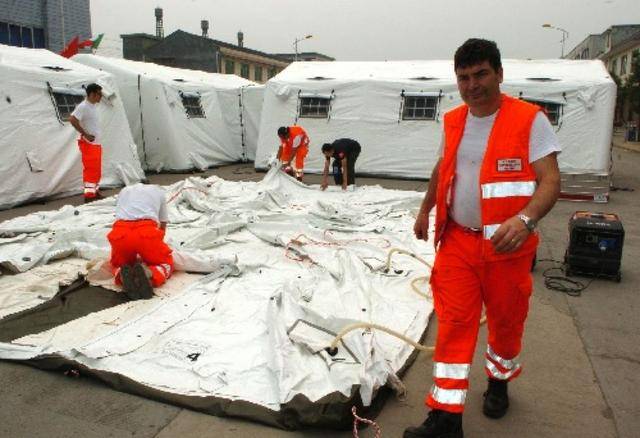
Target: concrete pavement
581, 358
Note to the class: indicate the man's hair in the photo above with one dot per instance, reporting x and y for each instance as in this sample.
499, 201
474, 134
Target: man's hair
93, 88
283, 131
327, 147
475, 51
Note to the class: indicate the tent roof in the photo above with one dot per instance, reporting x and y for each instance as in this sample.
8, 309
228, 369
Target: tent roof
165, 73
41, 61
515, 70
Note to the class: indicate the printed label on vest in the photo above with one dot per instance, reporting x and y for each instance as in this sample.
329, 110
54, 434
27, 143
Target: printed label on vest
510, 165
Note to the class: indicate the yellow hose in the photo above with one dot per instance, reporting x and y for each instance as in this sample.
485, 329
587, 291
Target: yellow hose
367, 325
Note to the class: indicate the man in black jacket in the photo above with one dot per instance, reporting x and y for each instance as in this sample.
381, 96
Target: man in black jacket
344, 152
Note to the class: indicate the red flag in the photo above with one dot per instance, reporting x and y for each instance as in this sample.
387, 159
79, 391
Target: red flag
72, 48
86, 43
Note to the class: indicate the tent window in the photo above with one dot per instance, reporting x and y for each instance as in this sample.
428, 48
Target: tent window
314, 107
551, 110
66, 103
420, 107
192, 106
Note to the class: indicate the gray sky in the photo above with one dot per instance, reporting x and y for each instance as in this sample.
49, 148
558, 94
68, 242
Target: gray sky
372, 30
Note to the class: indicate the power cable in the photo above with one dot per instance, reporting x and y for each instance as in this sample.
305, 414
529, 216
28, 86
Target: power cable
555, 278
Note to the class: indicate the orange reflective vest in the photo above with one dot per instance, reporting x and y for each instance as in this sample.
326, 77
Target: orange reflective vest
287, 145
507, 179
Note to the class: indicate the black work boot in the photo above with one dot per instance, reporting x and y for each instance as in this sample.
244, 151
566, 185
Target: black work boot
439, 424
135, 283
496, 399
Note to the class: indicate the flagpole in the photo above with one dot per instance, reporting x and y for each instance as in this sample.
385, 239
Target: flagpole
64, 37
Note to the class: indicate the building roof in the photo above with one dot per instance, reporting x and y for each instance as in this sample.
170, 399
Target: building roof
161, 50
292, 56
623, 45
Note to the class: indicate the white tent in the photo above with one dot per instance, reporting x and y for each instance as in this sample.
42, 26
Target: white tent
395, 110
182, 119
39, 156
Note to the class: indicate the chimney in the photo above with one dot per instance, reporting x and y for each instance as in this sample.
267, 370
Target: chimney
204, 25
240, 39
159, 26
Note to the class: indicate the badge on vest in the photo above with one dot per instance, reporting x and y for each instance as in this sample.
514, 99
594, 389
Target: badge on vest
510, 165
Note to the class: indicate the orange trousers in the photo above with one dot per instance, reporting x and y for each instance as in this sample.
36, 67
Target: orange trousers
141, 240
461, 281
91, 167
300, 156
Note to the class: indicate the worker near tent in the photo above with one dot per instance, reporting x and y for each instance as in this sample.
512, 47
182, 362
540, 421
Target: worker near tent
294, 144
497, 176
344, 152
140, 259
84, 119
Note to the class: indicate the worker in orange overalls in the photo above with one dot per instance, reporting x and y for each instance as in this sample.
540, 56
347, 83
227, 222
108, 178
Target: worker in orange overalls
497, 176
140, 259
294, 143
84, 119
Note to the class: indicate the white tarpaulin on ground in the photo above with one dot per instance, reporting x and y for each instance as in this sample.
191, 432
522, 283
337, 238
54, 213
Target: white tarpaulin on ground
39, 156
184, 119
286, 267
395, 110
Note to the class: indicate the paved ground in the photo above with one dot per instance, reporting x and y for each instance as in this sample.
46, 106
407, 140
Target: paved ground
582, 358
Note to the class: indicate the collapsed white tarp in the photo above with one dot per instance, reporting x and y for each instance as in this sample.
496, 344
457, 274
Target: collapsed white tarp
39, 156
310, 263
183, 119
366, 101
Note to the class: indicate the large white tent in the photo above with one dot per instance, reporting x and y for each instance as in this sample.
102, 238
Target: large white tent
39, 156
183, 119
395, 110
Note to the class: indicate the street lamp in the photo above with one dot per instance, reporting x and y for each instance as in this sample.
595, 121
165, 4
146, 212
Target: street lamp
565, 35
297, 40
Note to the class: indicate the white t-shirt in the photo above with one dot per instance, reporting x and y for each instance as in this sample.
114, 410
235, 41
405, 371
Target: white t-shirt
87, 115
142, 201
465, 208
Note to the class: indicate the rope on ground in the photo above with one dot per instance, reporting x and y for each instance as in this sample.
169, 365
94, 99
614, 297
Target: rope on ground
357, 419
175, 195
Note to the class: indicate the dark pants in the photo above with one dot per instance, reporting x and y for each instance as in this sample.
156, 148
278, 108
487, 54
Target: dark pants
351, 168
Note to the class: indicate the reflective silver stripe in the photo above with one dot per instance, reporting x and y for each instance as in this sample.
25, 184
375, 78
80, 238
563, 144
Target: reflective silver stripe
167, 269
448, 396
91, 185
506, 363
507, 189
451, 370
490, 230
496, 373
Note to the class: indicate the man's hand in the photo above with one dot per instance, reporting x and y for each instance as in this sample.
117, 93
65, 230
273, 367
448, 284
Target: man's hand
421, 227
324, 184
344, 186
510, 235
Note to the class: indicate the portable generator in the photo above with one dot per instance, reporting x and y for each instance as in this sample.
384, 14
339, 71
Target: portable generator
595, 245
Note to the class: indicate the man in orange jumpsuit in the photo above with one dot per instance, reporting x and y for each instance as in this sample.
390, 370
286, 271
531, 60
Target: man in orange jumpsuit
84, 119
497, 176
294, 144
140, 259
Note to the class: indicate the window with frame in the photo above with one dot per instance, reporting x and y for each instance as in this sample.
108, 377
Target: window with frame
229, 67
66, 103
257, 73
272, 72
192, 105
419, 107
623, 65
314, 107
244, 70
551, 109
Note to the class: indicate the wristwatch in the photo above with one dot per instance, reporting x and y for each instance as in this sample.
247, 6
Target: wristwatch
528, 222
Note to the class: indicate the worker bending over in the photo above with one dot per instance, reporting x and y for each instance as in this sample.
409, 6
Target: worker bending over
497, 176
344, 152
294, 143
140, 258
84, 119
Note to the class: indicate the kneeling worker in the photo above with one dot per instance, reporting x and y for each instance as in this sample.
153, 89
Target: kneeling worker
294, 143
344, 152
140, 258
